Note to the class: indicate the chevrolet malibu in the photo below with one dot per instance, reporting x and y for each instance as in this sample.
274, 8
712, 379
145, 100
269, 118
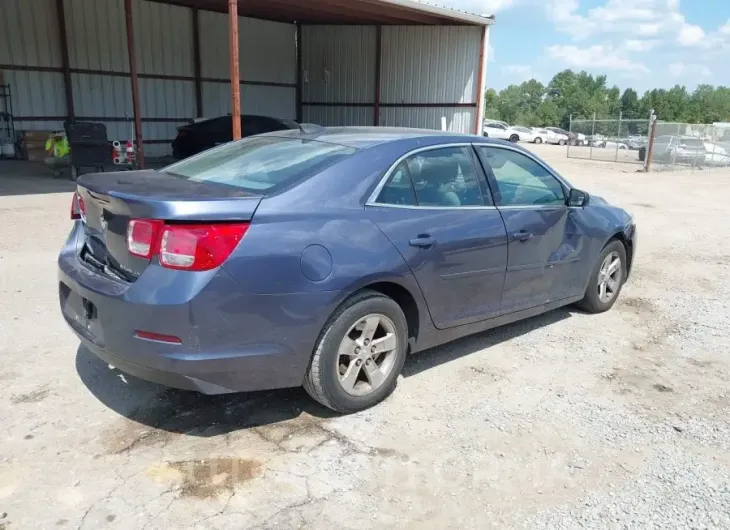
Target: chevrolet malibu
323, 256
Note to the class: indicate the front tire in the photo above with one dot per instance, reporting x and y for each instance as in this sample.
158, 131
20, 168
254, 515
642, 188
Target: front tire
562, 142
514, 138
538, 140
607, 279
359, 354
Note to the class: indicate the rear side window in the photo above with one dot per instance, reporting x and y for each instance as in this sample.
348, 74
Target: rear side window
260, 164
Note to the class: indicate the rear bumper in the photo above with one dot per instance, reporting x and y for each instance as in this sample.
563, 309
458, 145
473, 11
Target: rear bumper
232, 340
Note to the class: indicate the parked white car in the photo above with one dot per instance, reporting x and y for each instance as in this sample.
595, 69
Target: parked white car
501, 132
549, 137
716, 155
525, 134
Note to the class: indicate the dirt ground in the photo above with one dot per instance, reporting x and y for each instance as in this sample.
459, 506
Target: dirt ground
563, 421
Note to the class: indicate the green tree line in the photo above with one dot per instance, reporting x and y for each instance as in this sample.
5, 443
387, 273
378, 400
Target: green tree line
581, 95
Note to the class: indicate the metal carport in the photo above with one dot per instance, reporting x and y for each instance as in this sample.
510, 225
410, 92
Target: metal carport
332, 62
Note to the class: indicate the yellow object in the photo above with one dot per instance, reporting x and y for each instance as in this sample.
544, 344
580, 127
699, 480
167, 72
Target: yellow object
57, 145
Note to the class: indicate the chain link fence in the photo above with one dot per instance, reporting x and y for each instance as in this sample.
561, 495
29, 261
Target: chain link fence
686, 146
609, 140
676, 146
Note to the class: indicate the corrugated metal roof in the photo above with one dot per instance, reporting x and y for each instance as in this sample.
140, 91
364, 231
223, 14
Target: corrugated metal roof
396, 12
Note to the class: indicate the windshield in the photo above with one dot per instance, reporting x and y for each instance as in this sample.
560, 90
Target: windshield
260, 164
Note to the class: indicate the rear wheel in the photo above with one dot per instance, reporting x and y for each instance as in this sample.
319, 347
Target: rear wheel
561, 142
359, 354
607, 279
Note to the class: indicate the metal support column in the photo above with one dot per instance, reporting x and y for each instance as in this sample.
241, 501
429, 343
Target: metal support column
61, 11
235, 77
135, 82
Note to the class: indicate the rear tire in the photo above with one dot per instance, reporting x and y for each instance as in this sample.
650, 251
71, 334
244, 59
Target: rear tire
561, 142
327, 377
594, 301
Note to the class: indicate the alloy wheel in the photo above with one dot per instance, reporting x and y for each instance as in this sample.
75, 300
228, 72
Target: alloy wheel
609, 277
367, 355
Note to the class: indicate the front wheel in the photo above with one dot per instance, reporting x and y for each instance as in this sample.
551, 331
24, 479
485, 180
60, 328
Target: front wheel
561, 142
538, 140
514, 138
359, 354
607, 279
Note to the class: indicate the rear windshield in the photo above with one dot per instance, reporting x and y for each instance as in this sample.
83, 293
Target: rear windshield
692, 142
260, 164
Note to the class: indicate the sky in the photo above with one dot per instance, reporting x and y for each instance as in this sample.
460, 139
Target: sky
642, 44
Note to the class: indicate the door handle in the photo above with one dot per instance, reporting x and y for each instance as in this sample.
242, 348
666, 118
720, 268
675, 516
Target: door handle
423, 241
523, 235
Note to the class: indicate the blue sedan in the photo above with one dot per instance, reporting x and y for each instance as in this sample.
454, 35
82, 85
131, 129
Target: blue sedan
322, 256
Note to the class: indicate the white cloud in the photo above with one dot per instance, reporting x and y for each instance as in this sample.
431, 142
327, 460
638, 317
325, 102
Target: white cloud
594, 57
520, 71
634, 45
690, 35
677, 69
705, 72
660, 19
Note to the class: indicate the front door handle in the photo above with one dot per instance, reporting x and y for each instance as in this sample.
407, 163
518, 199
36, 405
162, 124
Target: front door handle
423, 241
523, 235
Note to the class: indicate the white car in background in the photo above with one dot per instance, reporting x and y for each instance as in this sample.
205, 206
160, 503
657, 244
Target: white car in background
525, 134
500, 131
716, 155
549, 137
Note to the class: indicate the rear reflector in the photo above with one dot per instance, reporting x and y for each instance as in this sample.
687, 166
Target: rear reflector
142, 237
190, 247
157, 337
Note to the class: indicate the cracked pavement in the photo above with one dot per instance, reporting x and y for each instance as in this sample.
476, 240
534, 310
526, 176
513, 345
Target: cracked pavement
510, 428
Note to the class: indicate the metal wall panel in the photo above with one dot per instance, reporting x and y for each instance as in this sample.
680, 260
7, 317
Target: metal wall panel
163, 38
101, 95
457, 119
96, 35
267, 50
36, 93
338, 64
279, 102
162, 98
29, 33
337, 116
35, 125
424, 64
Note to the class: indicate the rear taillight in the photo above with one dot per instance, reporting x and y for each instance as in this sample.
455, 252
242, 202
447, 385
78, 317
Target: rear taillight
78, 208
190, 247
143, 236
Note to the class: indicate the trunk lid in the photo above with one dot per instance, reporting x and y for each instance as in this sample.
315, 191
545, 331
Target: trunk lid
112, 199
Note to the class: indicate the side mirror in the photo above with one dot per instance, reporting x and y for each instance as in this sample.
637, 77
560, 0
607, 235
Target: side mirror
578, 198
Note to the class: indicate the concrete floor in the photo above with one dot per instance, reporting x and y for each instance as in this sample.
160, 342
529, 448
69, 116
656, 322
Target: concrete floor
545, 423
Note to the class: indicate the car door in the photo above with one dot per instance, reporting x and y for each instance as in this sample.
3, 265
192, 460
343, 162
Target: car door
434, 206
544, 244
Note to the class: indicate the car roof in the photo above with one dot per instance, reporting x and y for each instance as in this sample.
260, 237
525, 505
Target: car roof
364, 137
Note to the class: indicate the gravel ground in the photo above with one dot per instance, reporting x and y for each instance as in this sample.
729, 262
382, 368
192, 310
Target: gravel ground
563, 421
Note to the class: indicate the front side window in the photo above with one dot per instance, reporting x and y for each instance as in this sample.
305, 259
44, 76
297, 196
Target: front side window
260, 164
520, 180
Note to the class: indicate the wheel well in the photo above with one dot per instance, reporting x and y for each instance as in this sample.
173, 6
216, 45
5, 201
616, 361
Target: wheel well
404, 299
627, 247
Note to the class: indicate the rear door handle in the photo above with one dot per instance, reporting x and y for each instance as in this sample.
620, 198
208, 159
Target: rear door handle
523, 235
423, 241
